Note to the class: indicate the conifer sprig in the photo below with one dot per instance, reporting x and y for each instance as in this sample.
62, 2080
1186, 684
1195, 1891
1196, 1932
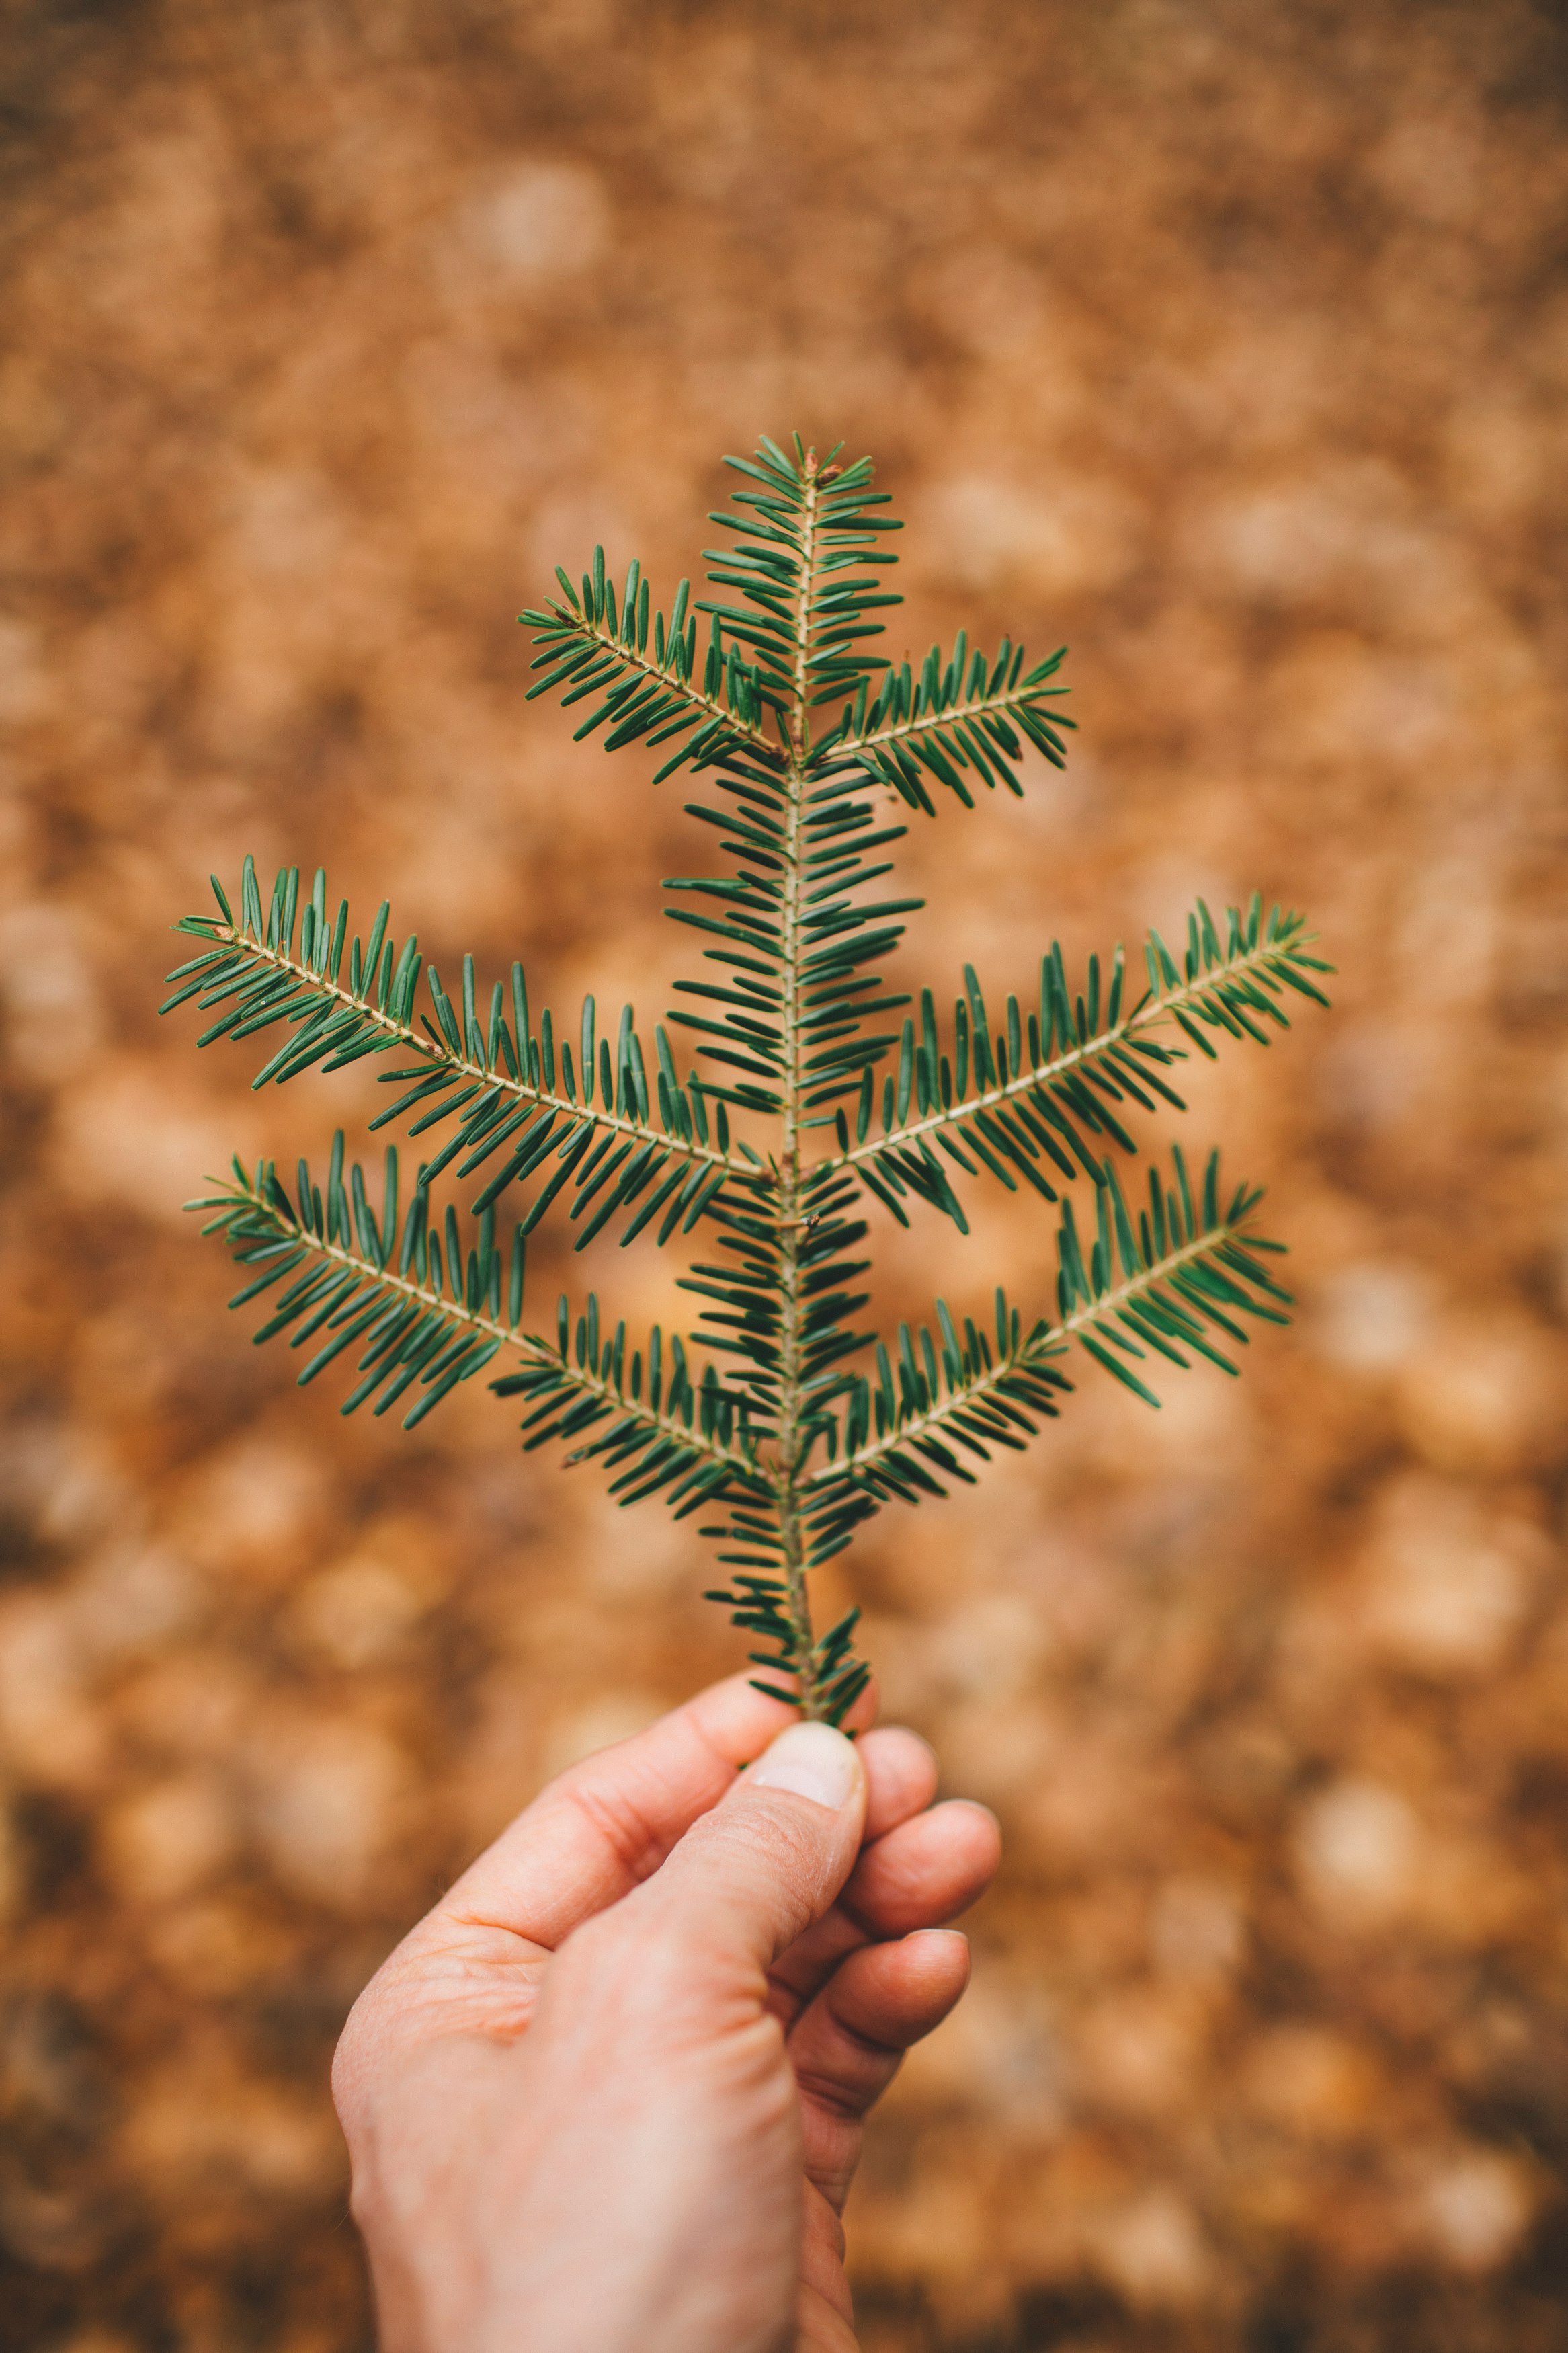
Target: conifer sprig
799, 728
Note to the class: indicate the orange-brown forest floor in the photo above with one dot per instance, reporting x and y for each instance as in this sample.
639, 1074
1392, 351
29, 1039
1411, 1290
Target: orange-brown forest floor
1228, 342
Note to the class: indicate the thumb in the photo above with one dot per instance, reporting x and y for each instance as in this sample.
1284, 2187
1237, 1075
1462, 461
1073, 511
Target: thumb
750, 1877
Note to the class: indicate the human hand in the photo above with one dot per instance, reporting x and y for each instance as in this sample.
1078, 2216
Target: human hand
607, 2097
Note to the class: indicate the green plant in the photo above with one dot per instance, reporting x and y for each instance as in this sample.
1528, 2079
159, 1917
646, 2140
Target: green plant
802, 728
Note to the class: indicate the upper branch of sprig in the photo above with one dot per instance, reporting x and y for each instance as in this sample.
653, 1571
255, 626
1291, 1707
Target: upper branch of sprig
652, 692
961, 723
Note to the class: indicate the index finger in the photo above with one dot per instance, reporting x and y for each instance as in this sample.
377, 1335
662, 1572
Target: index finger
604, 1826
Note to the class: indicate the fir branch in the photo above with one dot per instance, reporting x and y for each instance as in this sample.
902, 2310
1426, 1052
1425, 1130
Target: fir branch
587, 649
427, 1312
432, 1312
689, 1440
965, 720
793, 1445
1054, 1086
1186, 1271
502, 1078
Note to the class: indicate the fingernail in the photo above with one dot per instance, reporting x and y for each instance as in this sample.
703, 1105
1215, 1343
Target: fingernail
813, 1761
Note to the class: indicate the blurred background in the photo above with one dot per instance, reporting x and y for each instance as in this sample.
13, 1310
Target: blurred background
1226, 339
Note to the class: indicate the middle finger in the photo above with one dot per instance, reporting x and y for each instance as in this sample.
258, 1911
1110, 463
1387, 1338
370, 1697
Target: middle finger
919, 1875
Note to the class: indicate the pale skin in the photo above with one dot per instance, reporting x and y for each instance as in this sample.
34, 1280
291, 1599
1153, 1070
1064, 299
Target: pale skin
607, 2097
